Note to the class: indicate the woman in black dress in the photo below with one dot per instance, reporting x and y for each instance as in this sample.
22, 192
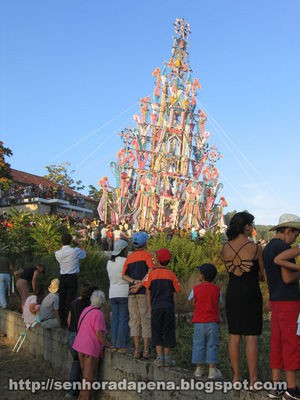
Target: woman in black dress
243, 261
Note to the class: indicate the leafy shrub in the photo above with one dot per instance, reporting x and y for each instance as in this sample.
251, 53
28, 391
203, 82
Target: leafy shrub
93, 270
18, 236
46, 233
186, 254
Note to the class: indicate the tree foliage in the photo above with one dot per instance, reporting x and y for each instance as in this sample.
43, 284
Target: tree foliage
61, 174
29, 234
5, 176
18, 236
94, 193
46, 233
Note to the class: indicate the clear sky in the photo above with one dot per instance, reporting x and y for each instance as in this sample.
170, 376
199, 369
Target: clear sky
72, 73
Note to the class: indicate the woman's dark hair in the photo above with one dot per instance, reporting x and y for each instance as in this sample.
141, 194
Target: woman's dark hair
42, 266
86, 293
39, 292
237, 224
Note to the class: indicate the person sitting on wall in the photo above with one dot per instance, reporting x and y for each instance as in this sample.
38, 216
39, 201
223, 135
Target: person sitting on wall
31, 313
49, 314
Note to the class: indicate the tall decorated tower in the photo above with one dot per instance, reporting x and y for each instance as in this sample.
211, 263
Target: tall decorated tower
165, 172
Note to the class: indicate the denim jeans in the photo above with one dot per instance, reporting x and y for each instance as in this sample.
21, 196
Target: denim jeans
75, 372
119, 323
4, 285
205, 343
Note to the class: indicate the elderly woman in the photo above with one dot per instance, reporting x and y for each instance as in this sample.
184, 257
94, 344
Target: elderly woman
118, 297
76, 308
243, 261
90, 340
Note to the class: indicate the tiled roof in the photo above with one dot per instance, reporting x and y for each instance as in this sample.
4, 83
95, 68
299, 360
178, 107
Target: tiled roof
25, 178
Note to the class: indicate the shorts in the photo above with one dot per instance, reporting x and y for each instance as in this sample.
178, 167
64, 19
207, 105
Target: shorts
139, 316
205, 343
163, 327
285, 344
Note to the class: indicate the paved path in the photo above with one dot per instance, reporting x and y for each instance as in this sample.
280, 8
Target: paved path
23, 366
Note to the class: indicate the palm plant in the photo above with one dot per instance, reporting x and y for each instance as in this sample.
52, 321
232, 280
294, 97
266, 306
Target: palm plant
46, 233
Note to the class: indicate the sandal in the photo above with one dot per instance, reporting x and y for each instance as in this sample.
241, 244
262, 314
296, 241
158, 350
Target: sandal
146, 354
137, 354
122, 350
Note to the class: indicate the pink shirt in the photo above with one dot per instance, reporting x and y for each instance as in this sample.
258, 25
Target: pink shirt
86, 341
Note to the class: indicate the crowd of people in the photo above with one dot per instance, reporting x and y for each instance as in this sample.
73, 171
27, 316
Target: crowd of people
16, 194
102, 235
142, 295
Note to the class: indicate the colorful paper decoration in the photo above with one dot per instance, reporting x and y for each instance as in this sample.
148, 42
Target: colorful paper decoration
165, 173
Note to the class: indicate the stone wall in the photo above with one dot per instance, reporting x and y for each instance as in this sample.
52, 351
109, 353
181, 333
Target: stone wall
115, 368
49, 345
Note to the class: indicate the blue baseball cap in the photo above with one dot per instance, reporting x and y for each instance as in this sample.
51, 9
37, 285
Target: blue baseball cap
139, 239
208, 270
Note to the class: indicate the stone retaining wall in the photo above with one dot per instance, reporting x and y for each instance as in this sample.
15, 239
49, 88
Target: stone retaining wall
51, 346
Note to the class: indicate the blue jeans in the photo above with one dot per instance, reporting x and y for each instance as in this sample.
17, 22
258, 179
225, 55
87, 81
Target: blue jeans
75, 373
4, 285
119, 323
205, 343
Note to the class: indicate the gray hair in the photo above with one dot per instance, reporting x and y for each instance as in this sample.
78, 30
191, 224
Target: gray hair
97, 298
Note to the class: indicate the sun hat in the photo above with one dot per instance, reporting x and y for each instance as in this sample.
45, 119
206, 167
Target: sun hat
287, 221
119, 246
209, 271
54, 285
163, 255
139, 239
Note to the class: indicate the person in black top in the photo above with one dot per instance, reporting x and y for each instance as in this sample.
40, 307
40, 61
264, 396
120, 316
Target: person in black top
243, 299
285, 306
27, 281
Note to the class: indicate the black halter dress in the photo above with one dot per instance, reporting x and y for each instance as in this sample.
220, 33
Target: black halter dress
243, 300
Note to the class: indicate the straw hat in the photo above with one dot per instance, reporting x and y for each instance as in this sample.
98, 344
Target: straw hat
287, 221
54, 285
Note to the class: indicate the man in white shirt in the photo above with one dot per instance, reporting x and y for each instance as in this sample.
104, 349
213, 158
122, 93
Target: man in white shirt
68, 258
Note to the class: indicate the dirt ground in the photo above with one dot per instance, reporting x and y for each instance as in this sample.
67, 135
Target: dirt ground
23, 366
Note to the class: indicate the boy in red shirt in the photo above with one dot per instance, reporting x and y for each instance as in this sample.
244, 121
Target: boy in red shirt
206, 296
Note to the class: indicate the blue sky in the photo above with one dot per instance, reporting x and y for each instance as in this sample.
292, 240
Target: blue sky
72, 73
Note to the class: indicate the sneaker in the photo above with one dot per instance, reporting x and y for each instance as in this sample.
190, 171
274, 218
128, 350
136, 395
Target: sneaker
215, 374
275, 394
198, 373
169, 362
113, 349
122, 350
295, 395
159, 362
